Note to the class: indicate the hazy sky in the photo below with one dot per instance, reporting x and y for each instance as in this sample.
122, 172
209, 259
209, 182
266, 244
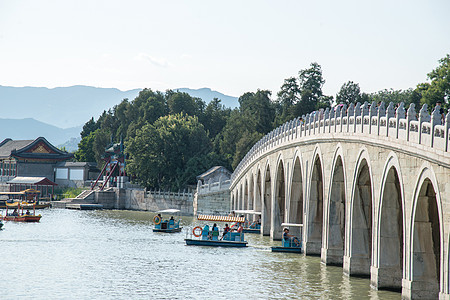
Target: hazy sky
229, 46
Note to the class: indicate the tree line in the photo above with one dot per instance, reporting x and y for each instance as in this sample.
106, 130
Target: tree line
171, 137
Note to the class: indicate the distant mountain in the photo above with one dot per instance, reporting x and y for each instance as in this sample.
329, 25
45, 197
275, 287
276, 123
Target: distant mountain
31, 112
63, 107
207, 95
30, 129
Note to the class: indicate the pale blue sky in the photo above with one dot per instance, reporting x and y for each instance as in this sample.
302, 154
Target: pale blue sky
229, 46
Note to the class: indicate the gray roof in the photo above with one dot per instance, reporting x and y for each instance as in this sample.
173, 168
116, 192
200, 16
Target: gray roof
69, 164
31, 180
9, 145
213, 170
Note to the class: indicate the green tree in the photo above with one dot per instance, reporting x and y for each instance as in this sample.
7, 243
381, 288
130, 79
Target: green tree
85, 150
349, 93
439, 88
288, 96
89, 126
159, 152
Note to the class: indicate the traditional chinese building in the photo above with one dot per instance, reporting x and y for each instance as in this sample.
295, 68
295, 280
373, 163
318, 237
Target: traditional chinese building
29, 158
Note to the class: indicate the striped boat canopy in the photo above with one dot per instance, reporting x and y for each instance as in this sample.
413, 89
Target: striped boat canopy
221, 218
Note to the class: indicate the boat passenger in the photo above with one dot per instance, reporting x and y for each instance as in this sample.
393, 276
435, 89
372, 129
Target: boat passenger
15, 213
232, 214
288, 236
226, 229
240, 229
171, 218
28, 212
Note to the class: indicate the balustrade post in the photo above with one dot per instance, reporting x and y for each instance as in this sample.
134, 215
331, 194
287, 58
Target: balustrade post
330, 117
399, 114
435, 120
364, 112
342, 115
410, 116
423, 117
356, 115
372, 112
350, 112
325, 117
381, 113
337, 115
390, 113
447, 126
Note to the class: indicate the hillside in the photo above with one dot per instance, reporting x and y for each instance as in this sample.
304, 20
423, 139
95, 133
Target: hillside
72, 106
30, 129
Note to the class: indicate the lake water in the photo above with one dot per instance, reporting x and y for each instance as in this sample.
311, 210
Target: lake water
114, 254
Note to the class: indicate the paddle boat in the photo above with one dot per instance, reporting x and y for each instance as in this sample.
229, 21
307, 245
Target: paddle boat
250, 227
213, 236
18, 215
289, 243
168, 226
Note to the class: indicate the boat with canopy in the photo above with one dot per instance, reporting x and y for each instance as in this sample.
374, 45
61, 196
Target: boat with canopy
18, 214
253, 226
214, 237
169, 226
28, 198
289, 243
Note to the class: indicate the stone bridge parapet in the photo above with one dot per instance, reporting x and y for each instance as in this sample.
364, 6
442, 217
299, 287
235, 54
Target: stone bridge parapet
369, 183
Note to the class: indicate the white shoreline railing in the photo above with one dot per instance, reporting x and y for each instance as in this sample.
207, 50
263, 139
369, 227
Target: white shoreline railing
366, 119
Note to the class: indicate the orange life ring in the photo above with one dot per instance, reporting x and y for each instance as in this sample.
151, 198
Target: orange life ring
156, 220
195, 228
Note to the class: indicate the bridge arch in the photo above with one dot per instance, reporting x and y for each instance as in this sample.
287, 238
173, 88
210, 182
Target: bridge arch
388, 268
251, 195
314, 226
279, 204
295, 199
357, 260
335, 212
258, 191
245, 195
267, 200
425, 278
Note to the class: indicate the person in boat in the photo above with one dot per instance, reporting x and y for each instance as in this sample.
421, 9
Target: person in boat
171, 218
28, 212
15, 213
226, 229
232, 214
240, 228
287, 236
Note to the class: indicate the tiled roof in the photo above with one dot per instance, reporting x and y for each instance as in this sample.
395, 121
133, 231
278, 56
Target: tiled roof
9, 145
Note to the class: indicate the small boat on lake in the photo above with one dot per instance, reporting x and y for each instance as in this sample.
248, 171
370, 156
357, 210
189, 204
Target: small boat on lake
167, 226
214, 237
253, 226
289, 243
18, 215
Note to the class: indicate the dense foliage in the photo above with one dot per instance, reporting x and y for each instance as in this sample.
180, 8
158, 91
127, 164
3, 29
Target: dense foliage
172, 137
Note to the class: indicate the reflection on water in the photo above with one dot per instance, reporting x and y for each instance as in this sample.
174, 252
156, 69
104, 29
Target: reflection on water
115, 255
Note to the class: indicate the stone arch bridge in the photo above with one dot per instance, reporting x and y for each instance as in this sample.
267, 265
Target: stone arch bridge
371, 186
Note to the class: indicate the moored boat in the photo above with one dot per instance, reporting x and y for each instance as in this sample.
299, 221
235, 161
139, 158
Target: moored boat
251, 226
214, 237
289, 243
167, 226
18, 214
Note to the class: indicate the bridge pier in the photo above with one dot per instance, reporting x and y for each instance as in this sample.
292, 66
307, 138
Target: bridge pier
421, 289
332, 256
356, 266
312, 248
385, 278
